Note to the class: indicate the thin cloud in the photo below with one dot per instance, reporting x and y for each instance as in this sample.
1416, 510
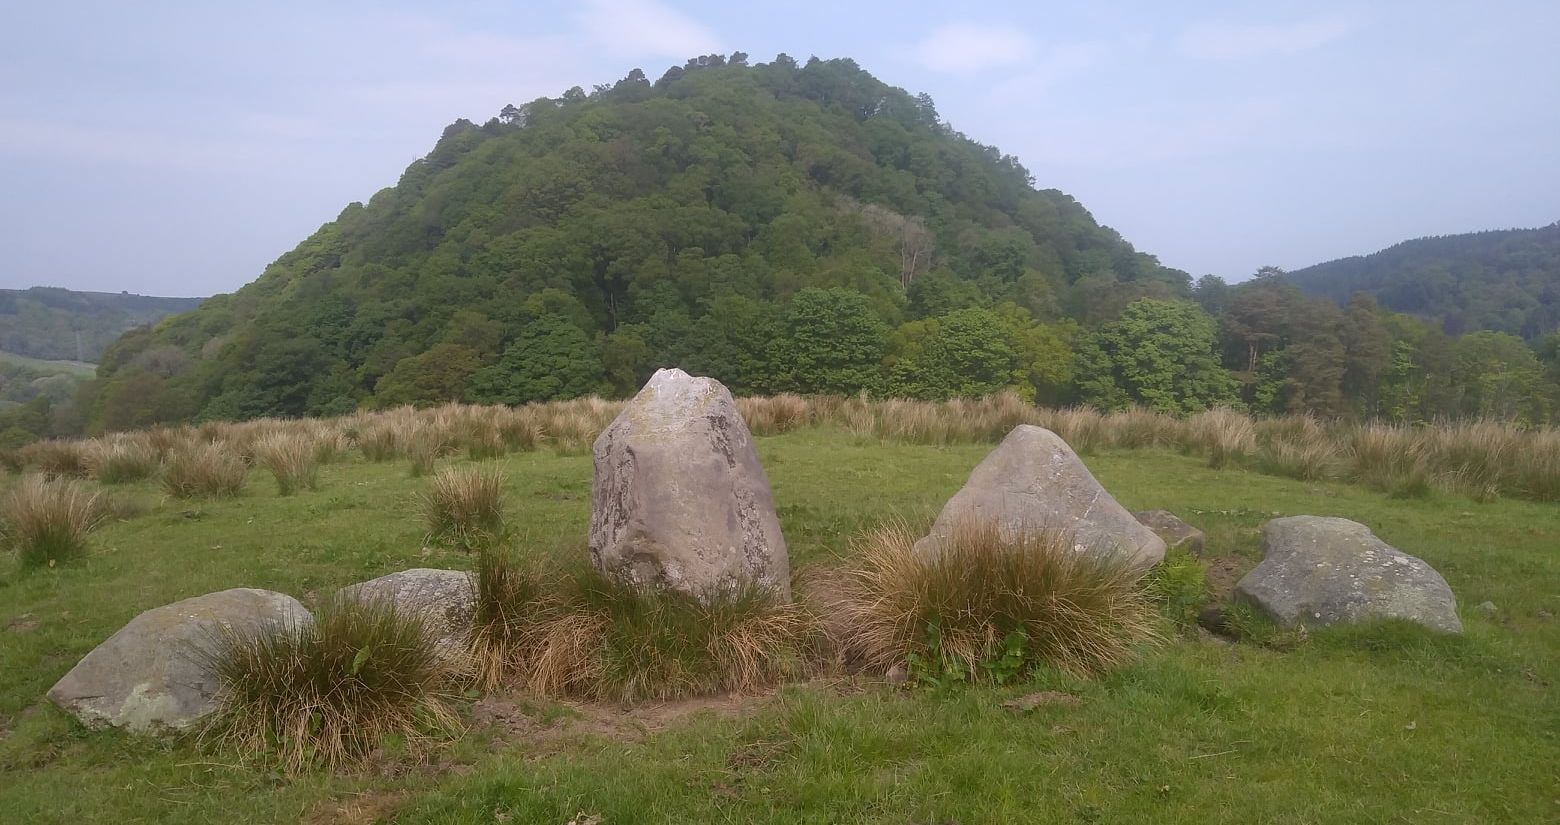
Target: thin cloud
1239, 41
645, 28
973, 47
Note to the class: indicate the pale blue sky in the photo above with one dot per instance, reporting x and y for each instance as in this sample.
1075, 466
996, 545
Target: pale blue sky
177, 148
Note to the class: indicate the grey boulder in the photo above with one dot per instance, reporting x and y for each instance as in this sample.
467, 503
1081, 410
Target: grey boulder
152, 675
1319, 571
1033, 481
1177, 534
446, 600
680, 500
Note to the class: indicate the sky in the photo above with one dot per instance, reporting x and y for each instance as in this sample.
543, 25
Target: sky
172, 148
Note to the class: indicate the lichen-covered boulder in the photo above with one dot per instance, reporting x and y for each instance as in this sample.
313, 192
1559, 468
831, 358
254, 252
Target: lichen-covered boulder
1319, 571
1177, 534
1033, 481
680, 500
445, 599
153, 674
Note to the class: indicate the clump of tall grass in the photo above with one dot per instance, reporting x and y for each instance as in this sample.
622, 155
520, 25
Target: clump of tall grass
775, 414
329, 692
512, 597
1083, 428
46, 521
984, 594
292, 458
464, 506
1389, 457
377, 440
204, 470
1222, 434
123, 460
57, 459
1305, 460
520, 429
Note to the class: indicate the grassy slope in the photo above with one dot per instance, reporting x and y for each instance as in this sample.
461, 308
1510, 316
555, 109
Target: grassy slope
80, 369
1382, 727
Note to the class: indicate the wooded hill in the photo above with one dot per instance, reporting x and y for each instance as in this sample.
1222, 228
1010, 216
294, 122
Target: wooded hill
1505, 280
781, 227
55, 324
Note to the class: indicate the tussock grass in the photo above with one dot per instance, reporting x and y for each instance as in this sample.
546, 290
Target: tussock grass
579, 634
464, 506
57, 459
377, 441
774, 414
293, 458
124, 460
959, 607
1304, 460
204, 470
329, 692
1389, 457
46, 521
1222, 434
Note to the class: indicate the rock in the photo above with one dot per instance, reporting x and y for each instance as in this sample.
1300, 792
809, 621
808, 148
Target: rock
1031, 701
1034, 481
680, 500
1487, 608
1320, 571
1177, 534
152, 675
898, 675
446, 599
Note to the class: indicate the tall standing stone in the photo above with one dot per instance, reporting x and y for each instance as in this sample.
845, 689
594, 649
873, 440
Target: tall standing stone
680, 500
1033, 482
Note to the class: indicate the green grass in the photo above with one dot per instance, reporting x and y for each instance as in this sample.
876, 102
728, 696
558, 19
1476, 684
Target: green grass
79, 369
1377, 724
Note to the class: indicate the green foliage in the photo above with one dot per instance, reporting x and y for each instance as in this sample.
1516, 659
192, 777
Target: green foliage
1501, 281
61, 325
1180, 585
1159, 354
834, 343
552, 359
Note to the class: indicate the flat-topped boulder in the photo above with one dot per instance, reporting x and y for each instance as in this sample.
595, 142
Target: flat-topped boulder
1034, 482
446, 600
680, 500
1318, 571
153, 674
1177, 534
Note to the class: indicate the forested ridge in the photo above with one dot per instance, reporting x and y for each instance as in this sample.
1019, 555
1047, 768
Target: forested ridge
1504, 280
65, 325
783, 227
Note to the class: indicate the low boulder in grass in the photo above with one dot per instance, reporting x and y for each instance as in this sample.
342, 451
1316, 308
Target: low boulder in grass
1319, 571
680, 500
1034, 482
154, 674
445, 599
1177, 534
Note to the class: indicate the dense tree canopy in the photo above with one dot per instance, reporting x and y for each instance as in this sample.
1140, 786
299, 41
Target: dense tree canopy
784, 228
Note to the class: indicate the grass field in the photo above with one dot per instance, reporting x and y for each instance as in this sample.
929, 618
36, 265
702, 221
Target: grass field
1380, 724
80, 369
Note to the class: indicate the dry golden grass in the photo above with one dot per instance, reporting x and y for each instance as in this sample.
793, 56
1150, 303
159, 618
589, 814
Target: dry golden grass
1222, 434
958, 606
292, 458
464, 506
122, 459
204, 470
45, 521
57, 459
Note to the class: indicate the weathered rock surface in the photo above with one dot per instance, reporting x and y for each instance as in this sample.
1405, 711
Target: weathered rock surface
1177, 534
151, 675
680, 500
1319, 571
445, 599
1034, 481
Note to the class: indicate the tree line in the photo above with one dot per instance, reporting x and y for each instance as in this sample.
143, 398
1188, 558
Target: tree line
783, 227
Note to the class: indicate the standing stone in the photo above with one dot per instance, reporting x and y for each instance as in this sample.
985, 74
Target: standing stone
1318, 571
152, 675
446, 600
1177, 534
1033, 481
680, 500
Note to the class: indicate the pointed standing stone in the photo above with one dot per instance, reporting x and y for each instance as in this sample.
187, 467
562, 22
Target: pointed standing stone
680, 500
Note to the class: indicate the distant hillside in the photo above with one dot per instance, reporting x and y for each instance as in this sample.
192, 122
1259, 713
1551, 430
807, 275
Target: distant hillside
1505, 280
62, 325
